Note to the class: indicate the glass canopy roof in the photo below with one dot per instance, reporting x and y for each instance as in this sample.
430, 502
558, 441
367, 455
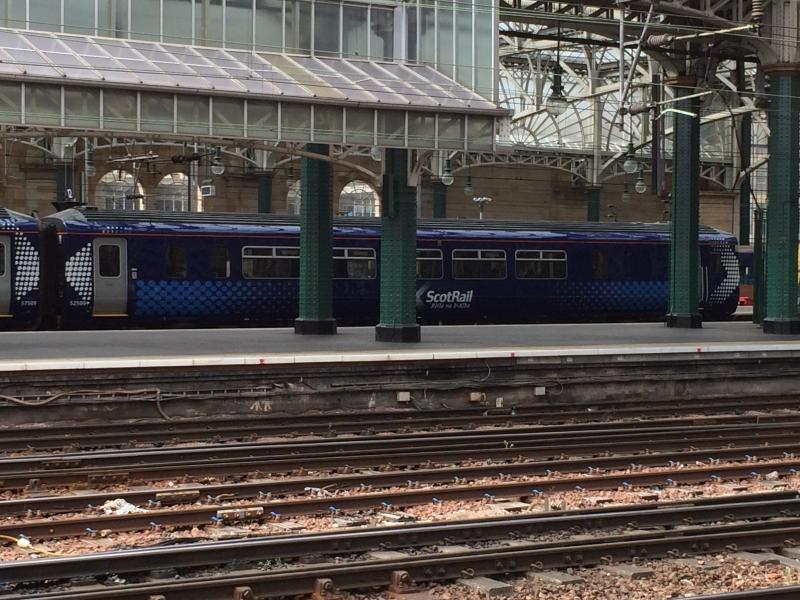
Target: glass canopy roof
147, 66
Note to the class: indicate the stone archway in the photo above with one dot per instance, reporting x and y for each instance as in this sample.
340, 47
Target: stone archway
119, 190
359, 199
172, 194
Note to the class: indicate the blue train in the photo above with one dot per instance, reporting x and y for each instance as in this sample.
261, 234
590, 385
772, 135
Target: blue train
87, 268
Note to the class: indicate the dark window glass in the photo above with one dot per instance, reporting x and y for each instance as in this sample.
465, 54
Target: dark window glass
613, 265
109, 261
175, 264
270, 263
219, 265
2, 259
715, 264
479, 264
354, 263
541, 264
429, 264
599, 264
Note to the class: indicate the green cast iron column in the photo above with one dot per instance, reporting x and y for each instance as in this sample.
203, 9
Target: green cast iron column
746, 137
439, 200
593, 203
782, 213
316, 254
398, 321
684, 297
759, 264
265, 194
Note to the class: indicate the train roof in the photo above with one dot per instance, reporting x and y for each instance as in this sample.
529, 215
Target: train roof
14, 221
88, 218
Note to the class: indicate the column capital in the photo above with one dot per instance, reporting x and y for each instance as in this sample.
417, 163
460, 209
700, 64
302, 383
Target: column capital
684, 81
593, 187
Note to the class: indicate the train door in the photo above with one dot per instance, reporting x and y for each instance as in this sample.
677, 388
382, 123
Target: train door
5, 275
110, 268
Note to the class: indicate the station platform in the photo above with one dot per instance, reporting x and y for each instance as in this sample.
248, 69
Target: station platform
130, 349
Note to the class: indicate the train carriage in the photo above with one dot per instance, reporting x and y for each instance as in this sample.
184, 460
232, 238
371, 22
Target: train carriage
153, 269
20, 293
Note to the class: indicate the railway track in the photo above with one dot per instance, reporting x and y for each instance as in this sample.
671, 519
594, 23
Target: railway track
787, 592
740, 441
267, 567
118, 434
212, 503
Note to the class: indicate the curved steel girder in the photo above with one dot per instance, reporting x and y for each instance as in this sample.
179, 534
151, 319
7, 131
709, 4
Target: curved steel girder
576, 164
336, 157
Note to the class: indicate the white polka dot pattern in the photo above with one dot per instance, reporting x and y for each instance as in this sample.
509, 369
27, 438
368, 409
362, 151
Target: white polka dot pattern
78, 272
26, 266
731, 265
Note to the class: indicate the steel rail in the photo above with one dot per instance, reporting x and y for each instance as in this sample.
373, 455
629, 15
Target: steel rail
208, 513
22, 438
602, 460
403, 441
787, 592
301, 579
277, 509
403, 536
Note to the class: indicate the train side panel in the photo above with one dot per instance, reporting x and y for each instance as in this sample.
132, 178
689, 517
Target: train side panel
153, 274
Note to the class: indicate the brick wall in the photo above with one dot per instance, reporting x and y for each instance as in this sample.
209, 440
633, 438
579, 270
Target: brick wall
28, 183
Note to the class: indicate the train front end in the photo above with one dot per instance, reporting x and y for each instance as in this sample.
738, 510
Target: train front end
20, 264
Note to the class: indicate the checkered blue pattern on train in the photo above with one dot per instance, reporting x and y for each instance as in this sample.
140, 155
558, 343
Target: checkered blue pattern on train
222, 298
167, 298
612, 296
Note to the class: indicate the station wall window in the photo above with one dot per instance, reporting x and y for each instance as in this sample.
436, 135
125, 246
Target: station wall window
479, 264
2, 259
354, 263
219, 263
327, 27
43, 17
175, 263
429, 263
541, 264
268, 262
109, 260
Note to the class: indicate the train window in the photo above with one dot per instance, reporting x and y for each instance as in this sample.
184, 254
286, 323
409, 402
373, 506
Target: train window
715, 263
2, 259
429, 264
262, 262
219, 263
108, 260
479, 264
354, 263
541, 264
599, 264
175, 263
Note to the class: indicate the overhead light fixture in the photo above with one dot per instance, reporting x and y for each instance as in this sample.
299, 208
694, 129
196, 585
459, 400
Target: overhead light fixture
447, 174
641, 186
630, 165
376, 154
556, 104
290, 175
217, 166
468, 189
626, 193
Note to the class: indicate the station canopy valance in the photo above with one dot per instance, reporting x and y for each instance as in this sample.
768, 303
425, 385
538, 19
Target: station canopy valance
76, 81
